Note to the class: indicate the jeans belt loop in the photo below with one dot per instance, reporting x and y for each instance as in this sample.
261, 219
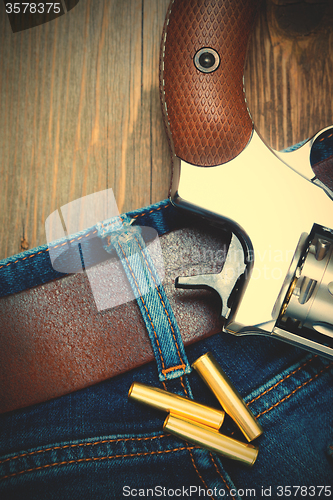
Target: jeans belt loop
154, 305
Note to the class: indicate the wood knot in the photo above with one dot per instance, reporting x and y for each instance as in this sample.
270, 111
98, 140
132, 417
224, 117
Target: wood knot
300, 17
24, 244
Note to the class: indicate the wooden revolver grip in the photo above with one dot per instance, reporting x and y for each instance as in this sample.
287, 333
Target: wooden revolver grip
205, 112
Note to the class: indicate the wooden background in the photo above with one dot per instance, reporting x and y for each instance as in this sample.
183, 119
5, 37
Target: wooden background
80, 111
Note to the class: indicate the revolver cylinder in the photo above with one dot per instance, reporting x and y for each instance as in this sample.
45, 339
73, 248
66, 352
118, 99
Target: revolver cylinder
309, 302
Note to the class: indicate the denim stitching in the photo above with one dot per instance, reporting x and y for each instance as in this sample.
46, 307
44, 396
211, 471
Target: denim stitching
65, 446
324, 138
151, 211
211, 456
190, 449
164, 370
183, 366
196, 469
183, 385
95, 459
283, 379
219, 473
144, 305
295, 390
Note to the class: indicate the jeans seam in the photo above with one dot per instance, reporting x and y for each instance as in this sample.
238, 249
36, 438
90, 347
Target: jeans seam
96, 459
94, 443
220, 474
197, 470
283, 379
151, 211
183, 365
146, 308
189, 449
210, 454
295, 390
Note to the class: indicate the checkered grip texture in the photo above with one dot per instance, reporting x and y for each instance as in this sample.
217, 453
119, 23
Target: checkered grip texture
206, 113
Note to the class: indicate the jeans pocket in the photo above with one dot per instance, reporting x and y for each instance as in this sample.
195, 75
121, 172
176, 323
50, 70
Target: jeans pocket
295, 411
152, 465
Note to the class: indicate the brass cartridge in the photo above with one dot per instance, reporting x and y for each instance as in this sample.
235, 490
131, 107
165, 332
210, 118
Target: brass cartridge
211, 440
178, 405
229, 398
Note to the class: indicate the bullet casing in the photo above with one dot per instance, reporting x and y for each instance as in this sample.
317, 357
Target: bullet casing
177, 405
229, 398
211, 440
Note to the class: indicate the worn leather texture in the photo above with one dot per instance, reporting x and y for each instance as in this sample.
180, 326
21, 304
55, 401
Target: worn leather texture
324, 171
205, 113
54, 341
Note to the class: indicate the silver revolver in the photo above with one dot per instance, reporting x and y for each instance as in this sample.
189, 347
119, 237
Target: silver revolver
278, 276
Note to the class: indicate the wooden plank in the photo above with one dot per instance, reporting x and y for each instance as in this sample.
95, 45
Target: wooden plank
289, 77
80, 110
80, 113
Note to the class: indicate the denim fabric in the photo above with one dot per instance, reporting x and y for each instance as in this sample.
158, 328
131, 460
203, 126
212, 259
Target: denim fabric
154, 305
96, 444
322, 148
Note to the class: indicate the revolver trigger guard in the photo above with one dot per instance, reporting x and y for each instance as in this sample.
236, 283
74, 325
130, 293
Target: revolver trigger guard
224, 282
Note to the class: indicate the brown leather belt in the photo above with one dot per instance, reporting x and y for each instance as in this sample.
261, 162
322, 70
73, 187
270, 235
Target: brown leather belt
54, 341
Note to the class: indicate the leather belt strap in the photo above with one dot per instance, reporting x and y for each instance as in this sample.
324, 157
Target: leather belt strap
324, 172
54, 341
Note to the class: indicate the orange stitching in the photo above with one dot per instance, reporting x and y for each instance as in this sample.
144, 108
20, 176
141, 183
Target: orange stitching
94, 232
221, 476
196, 469
151, 211
189, 449
81, 444
183, 366
295, 390
183, 386
173, 368
283, 379
95, 459
143, 302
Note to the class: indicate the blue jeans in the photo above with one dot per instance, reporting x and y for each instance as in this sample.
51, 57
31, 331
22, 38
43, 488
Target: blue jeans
96, 444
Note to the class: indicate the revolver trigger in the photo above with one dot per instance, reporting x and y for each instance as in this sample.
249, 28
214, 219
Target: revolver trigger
223, 282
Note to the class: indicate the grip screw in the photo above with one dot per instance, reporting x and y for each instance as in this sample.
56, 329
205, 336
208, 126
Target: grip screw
206, 60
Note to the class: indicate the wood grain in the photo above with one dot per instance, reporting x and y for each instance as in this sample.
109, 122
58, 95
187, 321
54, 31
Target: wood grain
80, 110
289, 76
79, 113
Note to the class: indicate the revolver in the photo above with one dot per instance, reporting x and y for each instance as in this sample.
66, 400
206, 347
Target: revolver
277, 279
